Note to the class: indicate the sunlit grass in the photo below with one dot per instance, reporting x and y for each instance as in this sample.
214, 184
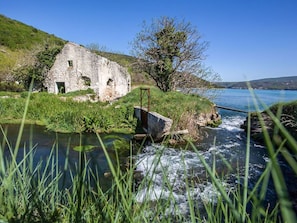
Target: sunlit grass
33, 193
61, 113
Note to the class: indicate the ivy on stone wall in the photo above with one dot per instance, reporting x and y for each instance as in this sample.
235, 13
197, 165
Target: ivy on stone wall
45, 60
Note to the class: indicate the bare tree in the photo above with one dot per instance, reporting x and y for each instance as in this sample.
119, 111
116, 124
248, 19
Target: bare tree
169, 51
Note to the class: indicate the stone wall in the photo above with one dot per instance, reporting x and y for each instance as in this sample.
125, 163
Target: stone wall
157, 125
191, 123
77, 68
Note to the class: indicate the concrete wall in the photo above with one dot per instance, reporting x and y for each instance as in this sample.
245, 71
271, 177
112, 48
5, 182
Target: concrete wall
77, 68
158, 125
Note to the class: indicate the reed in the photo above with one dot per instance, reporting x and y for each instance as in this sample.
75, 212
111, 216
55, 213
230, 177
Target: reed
31, 192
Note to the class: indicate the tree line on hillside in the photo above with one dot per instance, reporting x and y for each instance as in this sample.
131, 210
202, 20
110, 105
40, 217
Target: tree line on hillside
281, 83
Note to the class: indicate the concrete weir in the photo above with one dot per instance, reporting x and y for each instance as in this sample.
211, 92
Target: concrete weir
153, 123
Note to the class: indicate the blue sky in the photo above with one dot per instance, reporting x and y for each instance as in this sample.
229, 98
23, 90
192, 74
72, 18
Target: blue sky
248, 39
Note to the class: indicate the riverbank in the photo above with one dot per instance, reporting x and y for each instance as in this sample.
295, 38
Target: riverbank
64, 113
279, 121
217, 179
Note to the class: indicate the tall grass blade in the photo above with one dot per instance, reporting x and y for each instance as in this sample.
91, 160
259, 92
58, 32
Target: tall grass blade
117, 180
246, 173
18, 141
287, 211
218, 185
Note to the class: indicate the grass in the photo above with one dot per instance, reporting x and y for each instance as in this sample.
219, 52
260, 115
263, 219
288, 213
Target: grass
278, 178
16, 35
63, 114
66, 115
20, 45
32, 193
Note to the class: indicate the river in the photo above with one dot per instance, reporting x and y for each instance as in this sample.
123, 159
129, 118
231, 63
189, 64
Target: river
170, 172
62, 146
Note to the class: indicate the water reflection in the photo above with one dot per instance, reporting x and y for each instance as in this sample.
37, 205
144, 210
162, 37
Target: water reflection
42, 143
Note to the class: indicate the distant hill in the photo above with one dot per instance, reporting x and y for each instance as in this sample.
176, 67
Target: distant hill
280, 83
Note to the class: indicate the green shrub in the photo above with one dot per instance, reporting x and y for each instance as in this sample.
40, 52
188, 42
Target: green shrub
11, 86
17, 35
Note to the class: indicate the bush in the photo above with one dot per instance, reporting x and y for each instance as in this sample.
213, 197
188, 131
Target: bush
11, 86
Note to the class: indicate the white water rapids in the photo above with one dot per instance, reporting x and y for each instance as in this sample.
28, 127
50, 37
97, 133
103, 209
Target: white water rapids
178, 175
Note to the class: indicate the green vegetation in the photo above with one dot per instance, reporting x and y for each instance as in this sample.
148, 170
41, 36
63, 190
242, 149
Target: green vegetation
127, 61
16, 35
277, 149
288, 108
63, 114
84, 148
286, 113
32, 193
25, 52
11, 87
169, 51
43, 62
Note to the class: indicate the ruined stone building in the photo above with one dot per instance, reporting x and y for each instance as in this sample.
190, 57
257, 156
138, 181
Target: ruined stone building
77, 68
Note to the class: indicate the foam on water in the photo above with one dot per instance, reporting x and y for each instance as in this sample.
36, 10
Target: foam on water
232, 123
175, 175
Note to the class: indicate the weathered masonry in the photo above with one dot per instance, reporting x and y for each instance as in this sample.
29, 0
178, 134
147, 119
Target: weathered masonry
77, 68
156, 125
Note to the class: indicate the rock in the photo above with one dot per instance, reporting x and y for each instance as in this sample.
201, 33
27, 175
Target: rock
212, 118
288, 119
195, 122
256, 127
